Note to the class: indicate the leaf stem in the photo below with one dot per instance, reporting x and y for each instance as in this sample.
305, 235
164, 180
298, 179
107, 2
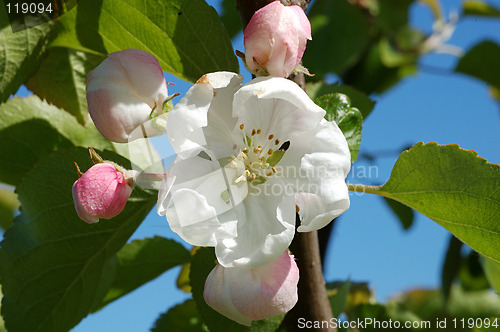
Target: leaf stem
362, 188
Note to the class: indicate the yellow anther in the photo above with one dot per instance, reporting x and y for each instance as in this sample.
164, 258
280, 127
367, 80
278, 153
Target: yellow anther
258, 131
270, 152
245, 151
274, 169
262, 159
253, 132
269, 174
255, 151
254, 176
242, 126
277, 142
247, 173
259, 148
270, 137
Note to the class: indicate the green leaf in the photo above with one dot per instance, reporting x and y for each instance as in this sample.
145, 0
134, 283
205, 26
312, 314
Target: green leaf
55, 267
203, 262
369, 310
30, 129
183, 317
472, 277
338, 296
61, 79
451, 265
8, 205
230, 18
2, 323
403, 212
143, 260
482, 62
349, 119
393, 15
186, 36
492, 271
429, 305
20, 53
340, 33
371, 75
479, 8
452, 186
358, 99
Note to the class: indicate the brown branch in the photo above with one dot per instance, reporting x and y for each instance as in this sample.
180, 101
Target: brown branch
313, 305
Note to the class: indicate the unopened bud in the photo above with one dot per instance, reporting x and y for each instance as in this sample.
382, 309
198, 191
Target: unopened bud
123, 91
244, 294
101, 192
275, 39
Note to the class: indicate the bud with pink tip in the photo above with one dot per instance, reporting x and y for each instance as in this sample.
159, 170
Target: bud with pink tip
244, 295
275, 39
101, 192
123, 91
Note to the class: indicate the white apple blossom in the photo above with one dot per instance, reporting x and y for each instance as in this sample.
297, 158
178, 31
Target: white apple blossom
248, 158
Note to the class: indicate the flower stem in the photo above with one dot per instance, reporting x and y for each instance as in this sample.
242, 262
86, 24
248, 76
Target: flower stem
361, 188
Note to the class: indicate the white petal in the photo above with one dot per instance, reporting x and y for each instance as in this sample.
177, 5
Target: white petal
189, 116
194, 225
267, 290
276, 105
217, 295
194, 214
264, 228
321, 190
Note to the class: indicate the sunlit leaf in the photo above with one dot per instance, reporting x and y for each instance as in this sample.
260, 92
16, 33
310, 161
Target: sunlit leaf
55, 267
358, 99
30, 129
492, 271
61, 79
452, 186
8, 205
338, 296
20, 53
186, 36
349, 119
140, 261
183, 317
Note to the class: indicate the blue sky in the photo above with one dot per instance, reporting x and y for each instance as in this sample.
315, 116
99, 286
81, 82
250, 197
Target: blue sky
369, 243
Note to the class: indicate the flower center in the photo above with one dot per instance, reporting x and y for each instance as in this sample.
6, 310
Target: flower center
257, 158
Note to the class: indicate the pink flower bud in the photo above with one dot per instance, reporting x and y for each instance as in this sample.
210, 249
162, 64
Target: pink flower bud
275, 38
243, 294
122, 91
101, 192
